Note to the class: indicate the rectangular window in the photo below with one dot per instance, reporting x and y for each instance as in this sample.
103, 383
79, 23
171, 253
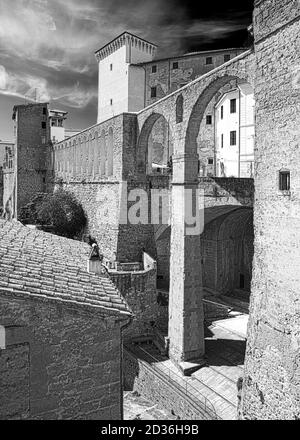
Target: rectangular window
111, 66
233, 138
222, 140
210, 161
43, 139
43, 124
154, 69
111, 101
226, 58
175, 65
242, 281
284, 180
153, 92
222, 111
208, 60
44, 111
233, 106
208, 119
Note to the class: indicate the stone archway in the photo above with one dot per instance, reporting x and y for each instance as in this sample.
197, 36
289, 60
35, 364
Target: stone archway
186, 315
200, 106
227, 251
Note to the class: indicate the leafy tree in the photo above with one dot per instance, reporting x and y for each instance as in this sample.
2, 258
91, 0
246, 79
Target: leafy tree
59, 210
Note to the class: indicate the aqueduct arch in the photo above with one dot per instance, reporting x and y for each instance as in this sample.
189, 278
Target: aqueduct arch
145, 147
186, 316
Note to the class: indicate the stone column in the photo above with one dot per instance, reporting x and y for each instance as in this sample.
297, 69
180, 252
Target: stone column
186, 318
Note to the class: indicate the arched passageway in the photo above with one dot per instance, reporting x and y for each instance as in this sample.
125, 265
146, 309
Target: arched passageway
155, 146
226, 251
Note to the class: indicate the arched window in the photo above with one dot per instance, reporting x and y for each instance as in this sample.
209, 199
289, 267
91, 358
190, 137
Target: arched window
90, 155
74, 158
96, 155
179, 109
110, 153
78, 160
102, 154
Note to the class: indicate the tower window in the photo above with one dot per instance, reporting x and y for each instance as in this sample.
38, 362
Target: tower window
154, 69
44, 111
284, 180
175, 65
226, 58
208, 119
242, 281
153, 92
43, 124
233, 106
222, 111
111, 67
208, 60
210, 161
233, 137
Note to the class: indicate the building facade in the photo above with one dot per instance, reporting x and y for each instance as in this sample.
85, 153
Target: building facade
60, 330
271, 388
234, 122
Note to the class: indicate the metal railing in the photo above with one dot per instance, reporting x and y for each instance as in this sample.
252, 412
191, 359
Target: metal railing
181, 383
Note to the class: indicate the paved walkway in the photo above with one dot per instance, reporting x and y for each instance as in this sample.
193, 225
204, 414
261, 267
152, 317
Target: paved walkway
214, 383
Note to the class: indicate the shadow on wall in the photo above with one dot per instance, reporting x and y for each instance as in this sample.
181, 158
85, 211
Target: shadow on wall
229, 190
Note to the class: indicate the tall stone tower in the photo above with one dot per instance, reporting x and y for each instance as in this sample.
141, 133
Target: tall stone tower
271, 386
121, 85
32, 143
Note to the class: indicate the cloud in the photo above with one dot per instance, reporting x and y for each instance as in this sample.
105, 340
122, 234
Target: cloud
47, 46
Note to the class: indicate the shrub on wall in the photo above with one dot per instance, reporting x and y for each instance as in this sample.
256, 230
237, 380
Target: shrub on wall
60, 210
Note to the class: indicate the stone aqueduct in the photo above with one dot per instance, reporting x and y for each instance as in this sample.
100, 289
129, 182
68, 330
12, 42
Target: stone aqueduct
95, 163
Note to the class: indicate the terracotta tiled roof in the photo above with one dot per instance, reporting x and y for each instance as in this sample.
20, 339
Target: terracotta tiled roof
44, 265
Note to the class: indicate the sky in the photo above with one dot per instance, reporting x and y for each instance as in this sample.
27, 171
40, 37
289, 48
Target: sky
47, 46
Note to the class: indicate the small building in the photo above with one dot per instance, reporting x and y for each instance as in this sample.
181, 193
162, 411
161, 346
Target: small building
6, 148
234, 122
60, 329
6, 162
57, 129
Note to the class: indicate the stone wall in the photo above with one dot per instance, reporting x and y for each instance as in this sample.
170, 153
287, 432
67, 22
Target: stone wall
143, 378
271, 387
139, 289
14, 373
166, 79
71, 356
227, 252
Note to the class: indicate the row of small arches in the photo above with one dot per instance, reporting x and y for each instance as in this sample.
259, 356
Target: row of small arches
86, 156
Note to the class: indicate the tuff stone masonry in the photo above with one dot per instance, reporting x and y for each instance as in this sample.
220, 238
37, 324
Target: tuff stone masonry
60, 330
271, 387
104, 162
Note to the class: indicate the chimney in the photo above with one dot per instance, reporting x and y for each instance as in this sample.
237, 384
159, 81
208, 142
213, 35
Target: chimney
94, 264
